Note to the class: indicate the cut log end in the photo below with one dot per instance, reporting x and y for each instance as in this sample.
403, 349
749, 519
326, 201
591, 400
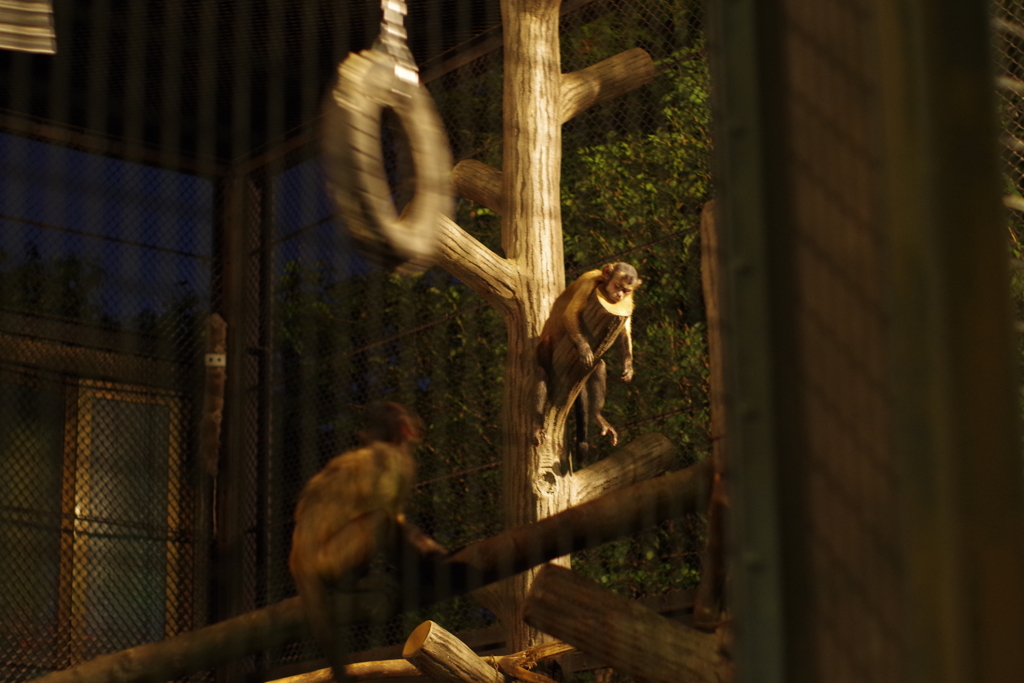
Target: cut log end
414, 643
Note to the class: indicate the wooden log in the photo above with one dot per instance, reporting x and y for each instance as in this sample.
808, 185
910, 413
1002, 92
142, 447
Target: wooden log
359, 671
584, 526
400, 668
605, 80
627, 636
211, 646
639, 460
478, 182
444, 658
197, 650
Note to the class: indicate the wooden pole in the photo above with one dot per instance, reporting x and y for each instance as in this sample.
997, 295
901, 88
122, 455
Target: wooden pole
523, 283
583, 526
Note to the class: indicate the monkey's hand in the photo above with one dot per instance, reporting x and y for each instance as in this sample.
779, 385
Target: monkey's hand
539, 435
425, 545
586, 355
627, 371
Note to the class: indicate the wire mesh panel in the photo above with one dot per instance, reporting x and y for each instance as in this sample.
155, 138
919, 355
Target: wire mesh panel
635, 177
839, 466
105, 270
1008, 39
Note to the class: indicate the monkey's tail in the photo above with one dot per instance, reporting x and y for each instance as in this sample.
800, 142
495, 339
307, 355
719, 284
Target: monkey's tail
330, 629
582, 427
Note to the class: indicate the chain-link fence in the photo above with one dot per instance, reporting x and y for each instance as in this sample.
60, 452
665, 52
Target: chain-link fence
1008, 48
114, 533
105, 279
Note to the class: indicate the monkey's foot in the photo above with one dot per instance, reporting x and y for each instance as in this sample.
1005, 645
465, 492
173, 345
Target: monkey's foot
606, 428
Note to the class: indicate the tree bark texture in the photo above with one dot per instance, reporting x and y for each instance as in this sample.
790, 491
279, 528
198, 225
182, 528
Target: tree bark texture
605, 81
478, 182
627, 636
531, 237
637, 461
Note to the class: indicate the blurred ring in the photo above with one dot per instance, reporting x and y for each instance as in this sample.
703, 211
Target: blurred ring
369, 82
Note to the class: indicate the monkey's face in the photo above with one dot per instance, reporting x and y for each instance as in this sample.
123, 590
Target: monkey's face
618, 288
393, 423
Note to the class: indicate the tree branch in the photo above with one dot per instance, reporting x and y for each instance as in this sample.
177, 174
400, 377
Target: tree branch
605, 80
640, 460
598, 521
479, 183
492, 277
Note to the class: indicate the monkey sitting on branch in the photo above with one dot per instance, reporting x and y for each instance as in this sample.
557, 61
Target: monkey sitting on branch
348, 513
612, 286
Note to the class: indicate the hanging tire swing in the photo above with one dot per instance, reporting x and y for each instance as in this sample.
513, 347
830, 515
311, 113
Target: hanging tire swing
385, 77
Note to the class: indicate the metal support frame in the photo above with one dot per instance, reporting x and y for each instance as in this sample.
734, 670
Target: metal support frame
745, 70
953, 382
234, 584
955, 379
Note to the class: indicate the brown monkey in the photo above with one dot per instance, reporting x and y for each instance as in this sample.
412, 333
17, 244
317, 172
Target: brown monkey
617, 282
347, 513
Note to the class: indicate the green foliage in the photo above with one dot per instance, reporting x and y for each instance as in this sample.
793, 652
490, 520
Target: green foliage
636, 196
654, 562
427, 342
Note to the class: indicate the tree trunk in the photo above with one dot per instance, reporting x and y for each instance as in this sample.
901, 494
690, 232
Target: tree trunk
537, 99
532, 238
